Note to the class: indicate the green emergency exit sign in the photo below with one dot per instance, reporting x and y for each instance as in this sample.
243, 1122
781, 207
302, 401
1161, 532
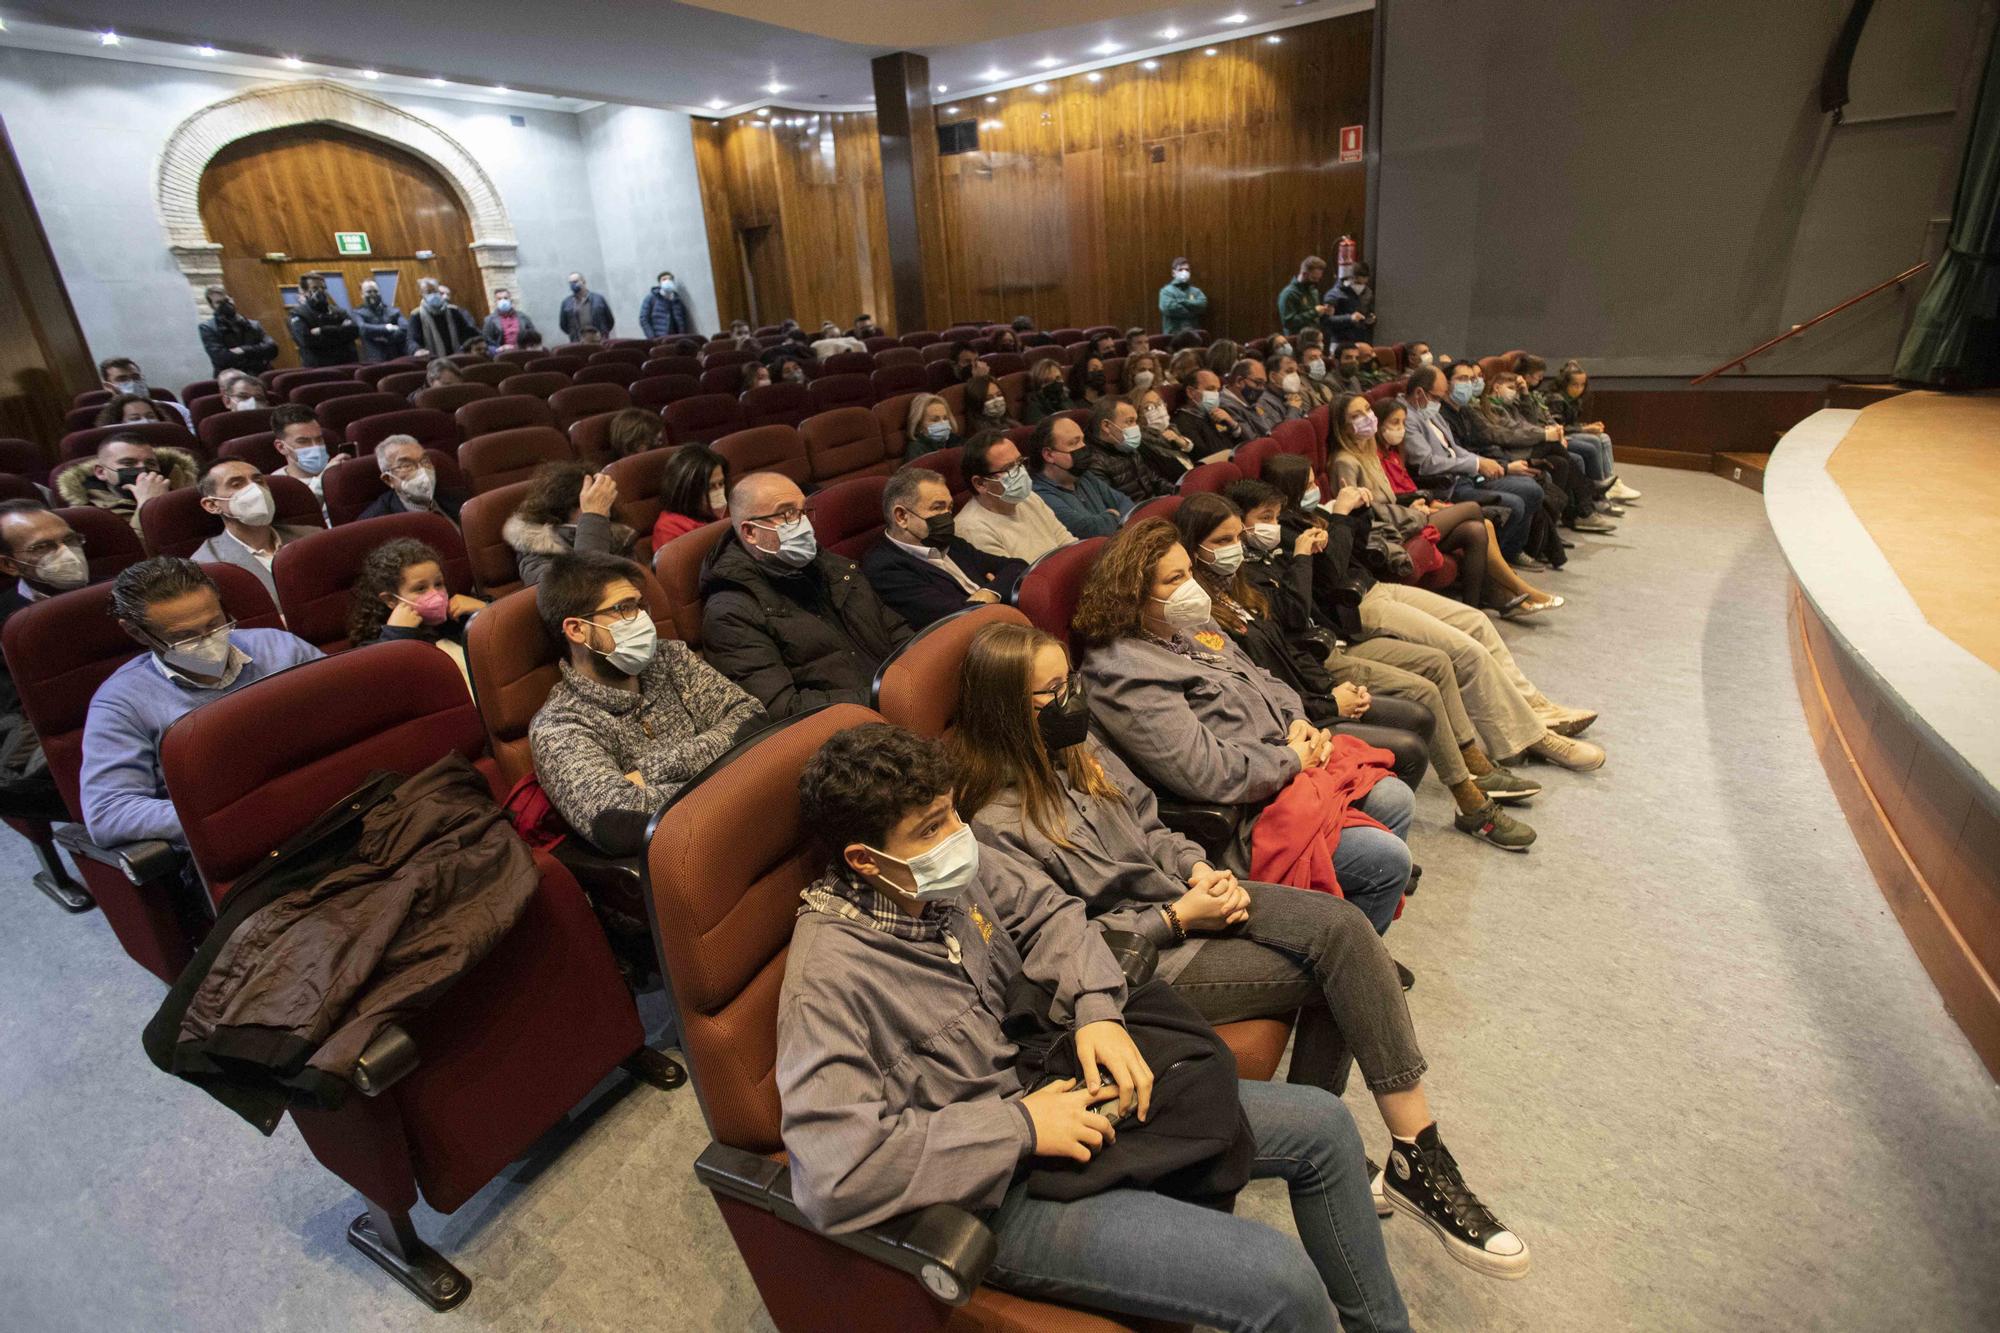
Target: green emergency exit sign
351, 242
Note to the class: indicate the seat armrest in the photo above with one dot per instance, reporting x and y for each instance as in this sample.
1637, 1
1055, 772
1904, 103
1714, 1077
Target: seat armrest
593, 867
946, 1248
390, 1054
140, 862
1210, 825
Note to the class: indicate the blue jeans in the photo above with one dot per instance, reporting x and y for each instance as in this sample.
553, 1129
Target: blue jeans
1595, 451
1135, 1252
1373, 867
1521, 497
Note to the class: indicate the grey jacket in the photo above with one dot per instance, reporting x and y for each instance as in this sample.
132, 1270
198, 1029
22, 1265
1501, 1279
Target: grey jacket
223, 549
1121, 860
1209, 728
1252, 422
1430, 449
588, 736
536, 545
898, 1085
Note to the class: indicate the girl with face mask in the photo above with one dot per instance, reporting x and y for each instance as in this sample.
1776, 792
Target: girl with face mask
402, 594
694, 492
986, 405
567, 509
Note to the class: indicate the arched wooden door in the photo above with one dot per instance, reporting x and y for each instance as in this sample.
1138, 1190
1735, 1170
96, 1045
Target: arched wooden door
288, 191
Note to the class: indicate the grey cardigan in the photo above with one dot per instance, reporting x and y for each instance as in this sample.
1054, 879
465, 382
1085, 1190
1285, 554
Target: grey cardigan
1121, 860
898, 1086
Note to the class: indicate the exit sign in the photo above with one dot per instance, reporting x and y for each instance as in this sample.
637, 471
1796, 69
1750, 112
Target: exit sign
351, 242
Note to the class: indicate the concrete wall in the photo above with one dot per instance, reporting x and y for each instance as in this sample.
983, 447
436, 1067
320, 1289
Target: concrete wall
89, 134
1652, 186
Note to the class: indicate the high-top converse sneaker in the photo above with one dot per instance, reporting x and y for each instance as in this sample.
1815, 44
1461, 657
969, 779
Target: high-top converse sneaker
1423, 1180
1383, 1208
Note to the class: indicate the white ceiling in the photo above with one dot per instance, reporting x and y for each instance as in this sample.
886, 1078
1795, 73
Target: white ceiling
692, 57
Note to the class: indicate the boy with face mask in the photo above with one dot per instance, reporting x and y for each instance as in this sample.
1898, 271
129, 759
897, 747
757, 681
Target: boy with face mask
125, 475
634, 716
664, 313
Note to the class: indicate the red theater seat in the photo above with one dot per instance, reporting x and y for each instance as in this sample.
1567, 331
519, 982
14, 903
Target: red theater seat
677, 566
315, 575
638, 505
847, 442
618, 373
176, 524
312, 395
451, 397
766, 449
509, 411
490, 461
573, 404
431, 429
829, 392
775, 405
494, 567
108, 540
1210, 477
657, 391
1048, 592
336, 416
703, 419
847, 516
537, 383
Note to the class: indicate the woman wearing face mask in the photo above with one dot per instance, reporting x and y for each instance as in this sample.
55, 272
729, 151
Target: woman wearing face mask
1047, 395
1035, 784
567, 509
986, 405
634, 716
1006, 341
1193, 714
127, 408
1181, 367
694, 492
1140, 372
789, 370
756, 375
402, 594
1162, 447
1086, 382
930, 427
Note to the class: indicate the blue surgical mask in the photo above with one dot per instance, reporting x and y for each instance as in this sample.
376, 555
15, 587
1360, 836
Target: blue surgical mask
504, 305
434, 301
1310, 500
311, 458
943, 872
1211, 399
667, 287
1462, 391
797, 544
1128, 439
1015, 484
938, 431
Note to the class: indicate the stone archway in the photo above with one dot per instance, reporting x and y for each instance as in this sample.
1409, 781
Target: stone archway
188, 150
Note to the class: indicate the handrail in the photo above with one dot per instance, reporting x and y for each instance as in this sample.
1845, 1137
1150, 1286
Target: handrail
1797, 329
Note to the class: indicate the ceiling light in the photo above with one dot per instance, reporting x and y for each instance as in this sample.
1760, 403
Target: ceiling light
951, 111
1106, 49
1274, 39
1041, 87
992, 124
1149, 64
293, 62
371, 73
716, 104
763, 111
991, 100
1094, 77
1169, 34
205, 52
992, 75
1238, 17
774, 87
943, 89
1209, 52
1048, 62
107, 38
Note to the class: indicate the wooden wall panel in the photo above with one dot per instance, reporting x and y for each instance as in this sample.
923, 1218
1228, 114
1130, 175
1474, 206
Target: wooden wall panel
725, 257
43, 358
1064, 214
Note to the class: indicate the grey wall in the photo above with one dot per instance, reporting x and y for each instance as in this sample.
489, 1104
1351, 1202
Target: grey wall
647, 202
89, 134
1650, 186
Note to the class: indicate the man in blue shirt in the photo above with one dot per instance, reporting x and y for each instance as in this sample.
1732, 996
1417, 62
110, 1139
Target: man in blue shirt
1060, 461
195, 654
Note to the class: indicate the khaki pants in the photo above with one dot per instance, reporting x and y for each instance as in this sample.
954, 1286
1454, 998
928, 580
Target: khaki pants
1423, 676
1490, 682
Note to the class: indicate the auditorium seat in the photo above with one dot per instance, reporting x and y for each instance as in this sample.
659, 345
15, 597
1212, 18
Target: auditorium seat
848, 442
1043, 352
892, 415
312, 395
619, 351
504, 456
767, 449
108, 540
1014, 388
720, 359
619, 373
892, 357
939, 373
494, 373
847, 516
259, 451
830, 391
937, 351
949, 464
495, 569
1164, 507
566, 366
282, 382
373, 374
352, 487
638, 504
920, 339
1047, 594
336, 416
590, 437
847, 363
1386, 389
880, 343
656, 391
898, 381
428, 427
315, 575
176, 524
228, 425
1004, 363
1210, 477
537, 384
509, 411
1390, 358
23, 458
722, 379
677, 566
406, 383
670, 365
197, 389
451, 397
775, 405
13, 487
160, 434
1249, 458
573, 404
204, 407
514, 1044
704, 418
1066, 337
517, 357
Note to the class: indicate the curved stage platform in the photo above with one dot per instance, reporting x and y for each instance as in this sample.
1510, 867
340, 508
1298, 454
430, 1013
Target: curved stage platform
1896, 648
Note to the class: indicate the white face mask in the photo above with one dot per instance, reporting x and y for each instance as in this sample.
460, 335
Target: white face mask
717, 500
1182, 275
943, 872
205, 656
1211, 399
1156, 416
65, 569
632, 644
1290, 383
1224, 560
420, 487
1143, 380
1263, 536
252, 506
1188, 607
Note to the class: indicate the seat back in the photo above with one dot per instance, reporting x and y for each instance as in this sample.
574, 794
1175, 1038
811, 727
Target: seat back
722, 379
717, 358
510, 455
494, 373
921, 339
590, 437
108, 540
766, 449
847, 516
847, 363
1375, 393
427, 426
352, 487
949, 464
893, 358
917, 687
259, 451
282, 382
573, 404
509, 411
1249, 458
722, 905
312, 395
847, 442
657, 391
337, 414
704, 418
160, 434
620, 372
677, 566
831, 391
892, 417
1048, 592
23, 458
1005, 363
1210, 477
1164, 507
670, 364
558, 365
451, 397
315, 575
495, 568
176, 524
408, 383
638, 505
778, 404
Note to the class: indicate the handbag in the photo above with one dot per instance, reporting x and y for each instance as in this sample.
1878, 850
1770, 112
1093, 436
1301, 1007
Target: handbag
1425, 558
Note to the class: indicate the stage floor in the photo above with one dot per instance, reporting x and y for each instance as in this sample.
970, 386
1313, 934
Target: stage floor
1922, 472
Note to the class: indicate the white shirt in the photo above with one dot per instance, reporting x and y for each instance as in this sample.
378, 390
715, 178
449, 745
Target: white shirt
1029, 533
29, 594
939, 560
264, 558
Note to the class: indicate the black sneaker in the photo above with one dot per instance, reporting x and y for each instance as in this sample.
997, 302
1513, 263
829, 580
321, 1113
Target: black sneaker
1416, 874
1424, 1181
1383, 1208
1404, 976
1507, 787
1489, 823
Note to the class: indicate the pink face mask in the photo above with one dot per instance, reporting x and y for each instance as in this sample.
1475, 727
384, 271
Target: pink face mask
1364, 426
431, 608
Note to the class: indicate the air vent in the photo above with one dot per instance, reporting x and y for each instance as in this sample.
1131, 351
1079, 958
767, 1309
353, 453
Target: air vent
960, 136
518, 122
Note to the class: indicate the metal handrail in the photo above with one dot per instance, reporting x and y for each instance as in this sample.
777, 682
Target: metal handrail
1797, 329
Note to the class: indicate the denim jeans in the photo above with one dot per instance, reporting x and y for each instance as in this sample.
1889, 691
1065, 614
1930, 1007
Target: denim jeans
1317, 954
1373, 867
1595, 451
1135, 1252
1521, 497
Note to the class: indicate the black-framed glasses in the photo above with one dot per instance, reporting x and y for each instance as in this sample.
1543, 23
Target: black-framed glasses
623, 612
784, 517
1055, 694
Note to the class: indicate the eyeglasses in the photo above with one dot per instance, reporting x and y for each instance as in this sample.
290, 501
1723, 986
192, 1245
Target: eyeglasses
226, 627
42, 550
407, 468
785, 517
1055, 694
623, 612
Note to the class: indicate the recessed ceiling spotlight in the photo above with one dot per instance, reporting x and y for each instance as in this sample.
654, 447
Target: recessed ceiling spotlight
991, 100
763, 111
1149, 64
951, 111
941, 88
1048, 62
1169, 34
716, 104
1238, 17
992, 75
371, 73
1106, 49
293, 62
205, 52
1094, 77
1210, 51
502, 89
107, 38
1041, 87
774, 87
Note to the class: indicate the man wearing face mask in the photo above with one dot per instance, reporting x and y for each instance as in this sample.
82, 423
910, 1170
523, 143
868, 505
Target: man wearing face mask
796, 626
240, 495
1212, 430
1182, 304
233, 340
634, 716
1064, 479
1452, 472
1115, 439
1284, 397
1353, 299
195, 653
411, 481
1247, 401
584, 309
1367, 368
122, 378
383, 337
124, 475
325, 334
241, 391
1005, 517
506, 325
664, 313
923, 570
40, 556
302, 443
436, 325
1315, 381
1347, 378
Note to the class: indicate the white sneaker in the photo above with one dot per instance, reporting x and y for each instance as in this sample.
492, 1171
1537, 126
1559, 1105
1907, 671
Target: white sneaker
1577, 756
1621, 492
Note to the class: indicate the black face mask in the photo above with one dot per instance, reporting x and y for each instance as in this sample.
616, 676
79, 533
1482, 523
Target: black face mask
939, 529
128, 475
1095, 379
1052, 392
1065, 722
225, 309
318, 299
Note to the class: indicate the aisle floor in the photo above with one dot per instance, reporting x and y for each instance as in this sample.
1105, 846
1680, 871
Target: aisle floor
1682, 1046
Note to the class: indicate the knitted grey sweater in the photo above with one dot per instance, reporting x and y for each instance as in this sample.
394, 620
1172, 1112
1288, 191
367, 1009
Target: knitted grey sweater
588, 736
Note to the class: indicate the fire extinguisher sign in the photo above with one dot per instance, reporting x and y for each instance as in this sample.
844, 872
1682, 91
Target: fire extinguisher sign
1350, 143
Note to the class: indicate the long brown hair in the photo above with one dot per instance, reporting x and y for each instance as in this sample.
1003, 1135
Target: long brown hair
1109, 607
1198, 516
382, 572
1290, 475
996, 744
1363, 452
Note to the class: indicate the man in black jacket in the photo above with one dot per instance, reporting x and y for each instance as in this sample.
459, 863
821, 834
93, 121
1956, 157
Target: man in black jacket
920, 568
383, 337
794, 625
234, 341
412, 482
324, 333
1208, 428
437, 325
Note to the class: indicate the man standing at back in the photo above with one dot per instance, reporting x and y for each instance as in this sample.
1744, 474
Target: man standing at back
1182, 304
663, 313
383, 337
436, 325
794, 625
584, 309
325, 334
1300, 305
233, 340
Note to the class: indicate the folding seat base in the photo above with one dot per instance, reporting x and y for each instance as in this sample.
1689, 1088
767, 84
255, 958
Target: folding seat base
655, 1069
391, 1240
54, 879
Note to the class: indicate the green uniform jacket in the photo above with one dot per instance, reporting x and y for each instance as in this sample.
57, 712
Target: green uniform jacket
1181, 307
1296, 304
